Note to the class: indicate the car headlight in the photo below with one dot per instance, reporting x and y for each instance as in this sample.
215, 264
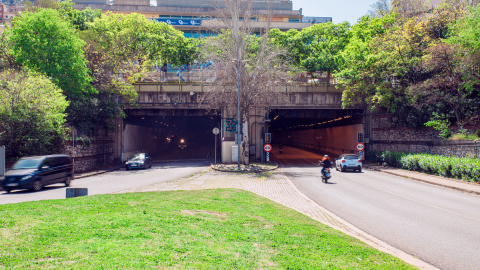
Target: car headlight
26, 177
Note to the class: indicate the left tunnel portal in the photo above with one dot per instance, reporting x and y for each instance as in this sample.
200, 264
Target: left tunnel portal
171, 135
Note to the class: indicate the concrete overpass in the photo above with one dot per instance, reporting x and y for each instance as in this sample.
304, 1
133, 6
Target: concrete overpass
308, 116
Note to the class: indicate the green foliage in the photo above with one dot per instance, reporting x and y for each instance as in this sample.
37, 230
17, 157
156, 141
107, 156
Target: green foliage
414, 65
441, 125
477, 133
467, 169
323, 44
133, 38
466, 32
203, 229
316, 48
32, 114
44, 42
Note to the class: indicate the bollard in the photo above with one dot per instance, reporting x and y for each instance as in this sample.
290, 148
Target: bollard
76, 192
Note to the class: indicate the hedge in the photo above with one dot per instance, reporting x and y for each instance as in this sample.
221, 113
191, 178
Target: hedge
467, 169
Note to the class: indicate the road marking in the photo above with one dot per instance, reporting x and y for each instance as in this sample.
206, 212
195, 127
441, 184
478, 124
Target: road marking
413, 200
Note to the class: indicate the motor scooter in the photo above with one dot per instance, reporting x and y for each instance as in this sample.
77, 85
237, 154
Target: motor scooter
326, 175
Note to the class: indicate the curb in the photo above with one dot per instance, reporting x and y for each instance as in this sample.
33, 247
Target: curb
88, 174
429, 182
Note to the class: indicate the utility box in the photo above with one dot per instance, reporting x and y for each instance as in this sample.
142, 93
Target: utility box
76, 192
235, 153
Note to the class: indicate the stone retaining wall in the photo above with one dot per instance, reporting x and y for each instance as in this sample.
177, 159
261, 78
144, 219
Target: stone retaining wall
97, 152
386, 136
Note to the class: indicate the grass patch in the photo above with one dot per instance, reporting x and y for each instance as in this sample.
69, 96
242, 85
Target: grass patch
208, 229
461, 136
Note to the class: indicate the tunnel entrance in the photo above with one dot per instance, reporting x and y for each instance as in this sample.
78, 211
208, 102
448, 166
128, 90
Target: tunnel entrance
168, 137
324, 131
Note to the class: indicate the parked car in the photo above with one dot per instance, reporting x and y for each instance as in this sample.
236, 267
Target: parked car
36, 172
348, 162
138, 161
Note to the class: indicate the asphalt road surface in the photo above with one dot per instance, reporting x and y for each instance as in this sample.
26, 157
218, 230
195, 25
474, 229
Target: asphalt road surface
111, 182
438, 225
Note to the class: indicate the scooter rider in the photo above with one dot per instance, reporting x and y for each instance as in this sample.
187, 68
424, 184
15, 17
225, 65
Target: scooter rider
326, 163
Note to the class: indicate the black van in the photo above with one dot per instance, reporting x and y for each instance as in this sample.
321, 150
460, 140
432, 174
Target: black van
36, 172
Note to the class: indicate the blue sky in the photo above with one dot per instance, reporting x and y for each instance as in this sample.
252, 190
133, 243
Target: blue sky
339, 10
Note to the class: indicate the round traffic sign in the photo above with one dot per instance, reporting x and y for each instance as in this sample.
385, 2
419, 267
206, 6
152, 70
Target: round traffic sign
267, 147
360, 146
216, 131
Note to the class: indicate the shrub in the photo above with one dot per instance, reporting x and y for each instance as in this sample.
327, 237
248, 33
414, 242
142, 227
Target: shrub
467, 169
410, 162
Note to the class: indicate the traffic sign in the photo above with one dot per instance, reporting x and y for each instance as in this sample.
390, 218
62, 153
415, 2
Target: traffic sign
267, 147
360, 146
216, 131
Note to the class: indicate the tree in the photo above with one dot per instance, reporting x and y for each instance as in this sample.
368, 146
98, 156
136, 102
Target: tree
43, 41
410, 8
362, 62
380, 8
120, 48
323, 46
247, 68
32, 114
450, 82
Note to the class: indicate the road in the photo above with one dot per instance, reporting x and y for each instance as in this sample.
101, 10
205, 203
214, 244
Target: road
112, 182
438, 225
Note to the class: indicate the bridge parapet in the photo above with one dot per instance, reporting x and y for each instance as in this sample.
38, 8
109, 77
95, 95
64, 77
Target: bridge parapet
183, 96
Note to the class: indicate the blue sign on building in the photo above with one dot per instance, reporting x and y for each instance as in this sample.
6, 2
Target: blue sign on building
180, 22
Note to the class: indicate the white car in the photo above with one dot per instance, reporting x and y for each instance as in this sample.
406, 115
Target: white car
348, 162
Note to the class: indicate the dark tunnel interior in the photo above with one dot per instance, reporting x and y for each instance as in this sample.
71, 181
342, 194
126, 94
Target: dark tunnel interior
174, 137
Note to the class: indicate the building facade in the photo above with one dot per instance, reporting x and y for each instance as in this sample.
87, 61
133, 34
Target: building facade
198, 18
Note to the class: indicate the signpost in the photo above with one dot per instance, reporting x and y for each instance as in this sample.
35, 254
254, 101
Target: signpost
360, 148
267, 148
215, 132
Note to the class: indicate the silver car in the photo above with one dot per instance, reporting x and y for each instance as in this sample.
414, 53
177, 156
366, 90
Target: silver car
348, 162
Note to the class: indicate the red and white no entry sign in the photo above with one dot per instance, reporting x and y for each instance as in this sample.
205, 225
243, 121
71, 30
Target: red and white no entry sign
360, 146
267, 147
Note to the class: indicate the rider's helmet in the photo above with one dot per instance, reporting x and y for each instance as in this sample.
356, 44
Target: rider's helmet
326, 156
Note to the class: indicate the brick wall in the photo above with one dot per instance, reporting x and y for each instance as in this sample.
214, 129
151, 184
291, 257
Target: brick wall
386, 136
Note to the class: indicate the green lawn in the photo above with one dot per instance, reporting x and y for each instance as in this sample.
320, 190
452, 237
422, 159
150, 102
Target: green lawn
209, 229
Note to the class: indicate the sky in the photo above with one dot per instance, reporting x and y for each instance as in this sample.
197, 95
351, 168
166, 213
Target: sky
339, 10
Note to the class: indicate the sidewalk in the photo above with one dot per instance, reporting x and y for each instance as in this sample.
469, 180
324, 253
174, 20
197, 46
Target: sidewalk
460, 185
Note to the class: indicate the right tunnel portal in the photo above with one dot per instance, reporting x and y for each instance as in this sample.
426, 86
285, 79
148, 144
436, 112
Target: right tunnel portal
324, 131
